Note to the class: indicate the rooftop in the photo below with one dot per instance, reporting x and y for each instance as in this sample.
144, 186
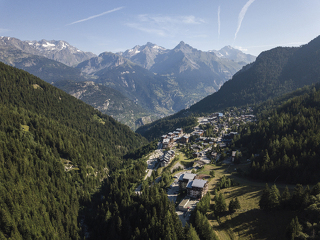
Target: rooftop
187, 176
199, 183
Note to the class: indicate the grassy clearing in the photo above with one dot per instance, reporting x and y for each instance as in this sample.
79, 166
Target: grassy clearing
249, 222
25, 128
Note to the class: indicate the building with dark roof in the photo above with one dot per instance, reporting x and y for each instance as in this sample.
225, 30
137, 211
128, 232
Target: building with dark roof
197, 188
185, 178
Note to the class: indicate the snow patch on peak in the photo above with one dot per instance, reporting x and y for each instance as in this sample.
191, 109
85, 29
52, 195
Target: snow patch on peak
48, 45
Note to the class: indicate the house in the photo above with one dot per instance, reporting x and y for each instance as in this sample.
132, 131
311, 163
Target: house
180, 131
198, 133
185, 178
166, 143
184, 139
163, 137
197, 188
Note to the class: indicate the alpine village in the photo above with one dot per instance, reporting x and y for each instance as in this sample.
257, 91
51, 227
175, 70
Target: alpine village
117, 146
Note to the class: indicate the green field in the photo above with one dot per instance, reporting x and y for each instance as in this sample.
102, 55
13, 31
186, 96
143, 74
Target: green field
249, 222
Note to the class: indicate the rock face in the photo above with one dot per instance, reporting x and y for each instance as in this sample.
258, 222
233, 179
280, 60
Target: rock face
60, 51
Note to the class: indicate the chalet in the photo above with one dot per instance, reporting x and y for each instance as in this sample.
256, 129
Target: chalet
180, 131
185, 178
197, 188
198, 133
184, 139
163, 137
166, 143
176, 133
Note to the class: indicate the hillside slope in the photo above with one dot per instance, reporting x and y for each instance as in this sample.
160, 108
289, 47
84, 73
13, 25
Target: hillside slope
54, 151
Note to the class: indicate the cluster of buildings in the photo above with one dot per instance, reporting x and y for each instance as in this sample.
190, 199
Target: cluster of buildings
169, 139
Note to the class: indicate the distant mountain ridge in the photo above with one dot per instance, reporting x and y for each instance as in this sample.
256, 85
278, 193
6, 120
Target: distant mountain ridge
60, 51
150, 54
234, 54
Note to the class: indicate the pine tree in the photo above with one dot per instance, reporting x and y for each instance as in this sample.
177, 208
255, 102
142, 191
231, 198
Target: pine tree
220, 204
237, 203
294, 229
191, 234
264, 200
274, 197
285, 198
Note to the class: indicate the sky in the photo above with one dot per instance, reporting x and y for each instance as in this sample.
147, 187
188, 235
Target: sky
98, 26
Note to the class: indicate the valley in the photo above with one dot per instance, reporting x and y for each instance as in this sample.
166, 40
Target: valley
239, 162
247, 222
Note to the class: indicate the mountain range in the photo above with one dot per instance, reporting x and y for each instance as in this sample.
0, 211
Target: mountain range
159, 80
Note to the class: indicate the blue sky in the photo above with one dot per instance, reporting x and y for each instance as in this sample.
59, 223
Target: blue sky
101, 25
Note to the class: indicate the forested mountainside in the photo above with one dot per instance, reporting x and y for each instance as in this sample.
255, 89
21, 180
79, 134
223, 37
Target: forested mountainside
108, 101
54, 151
275, 72
287, 139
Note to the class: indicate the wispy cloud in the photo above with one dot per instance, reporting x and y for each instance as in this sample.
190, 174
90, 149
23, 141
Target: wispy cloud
219, 22
241, 16
163, 25
95, 16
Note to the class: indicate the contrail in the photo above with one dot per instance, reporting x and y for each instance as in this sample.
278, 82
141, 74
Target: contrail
219, 22
241, 16
95, 16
